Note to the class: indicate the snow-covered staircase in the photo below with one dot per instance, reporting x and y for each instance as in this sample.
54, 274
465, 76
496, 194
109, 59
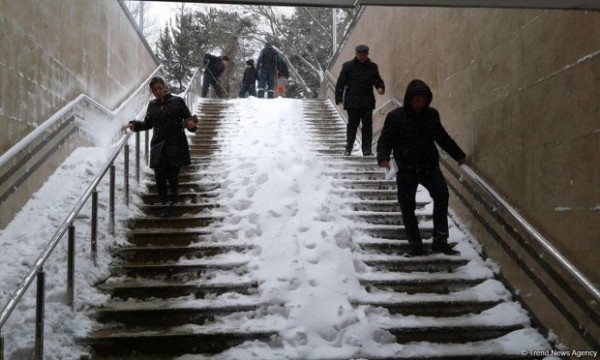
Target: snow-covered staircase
184, 284
442, 307
164, 284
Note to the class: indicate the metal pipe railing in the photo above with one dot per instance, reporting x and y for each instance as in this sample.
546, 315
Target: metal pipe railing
37, 271
533, 233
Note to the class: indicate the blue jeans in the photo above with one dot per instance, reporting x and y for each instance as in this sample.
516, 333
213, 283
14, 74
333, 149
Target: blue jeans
266, 78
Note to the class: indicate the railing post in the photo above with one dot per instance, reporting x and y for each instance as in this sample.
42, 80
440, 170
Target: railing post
111, 201
137, 156
39, 315
126, 174
1, 346
95, 226
147, 147
71, 268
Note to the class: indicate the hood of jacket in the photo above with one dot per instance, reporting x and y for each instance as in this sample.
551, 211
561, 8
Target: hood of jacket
416, 87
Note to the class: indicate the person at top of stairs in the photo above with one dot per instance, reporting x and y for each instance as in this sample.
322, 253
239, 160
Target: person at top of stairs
355, 89
411, 132
168, 115
214, 67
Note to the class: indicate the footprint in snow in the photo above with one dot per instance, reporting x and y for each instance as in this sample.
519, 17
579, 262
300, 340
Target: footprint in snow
242, 204
262, 179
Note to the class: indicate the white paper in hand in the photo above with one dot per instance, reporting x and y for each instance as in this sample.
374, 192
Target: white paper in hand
391, 172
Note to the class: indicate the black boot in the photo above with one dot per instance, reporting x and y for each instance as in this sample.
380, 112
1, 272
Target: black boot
443, 248
164, 211
415, 250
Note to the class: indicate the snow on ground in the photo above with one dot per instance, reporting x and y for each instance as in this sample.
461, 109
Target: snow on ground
276, 197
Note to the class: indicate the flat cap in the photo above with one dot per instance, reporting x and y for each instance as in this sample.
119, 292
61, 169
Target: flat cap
362, 48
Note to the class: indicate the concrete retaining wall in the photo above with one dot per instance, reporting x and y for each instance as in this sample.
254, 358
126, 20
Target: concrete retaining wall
51, 52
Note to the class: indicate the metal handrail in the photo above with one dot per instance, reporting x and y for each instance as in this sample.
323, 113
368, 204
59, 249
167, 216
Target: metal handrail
37, 270
564, 262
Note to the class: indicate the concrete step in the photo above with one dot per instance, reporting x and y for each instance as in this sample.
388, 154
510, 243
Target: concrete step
420, 286
179, 222
383, 218
452, 334
179, 209
169, 313
183, 197
164, 289
366, 184
367, 194
450, 308
157, 254
417, 264
395, 247
191, 268
377, 205
173, 342
188, 187
172, 237
356, 175
392, 231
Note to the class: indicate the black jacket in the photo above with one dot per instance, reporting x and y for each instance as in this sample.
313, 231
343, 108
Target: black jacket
214, 65
355, 84
167, 119
268, 59
250, 76
412, 138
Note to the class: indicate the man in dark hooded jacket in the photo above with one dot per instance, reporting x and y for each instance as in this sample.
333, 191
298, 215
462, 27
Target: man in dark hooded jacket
411, 132
355, 89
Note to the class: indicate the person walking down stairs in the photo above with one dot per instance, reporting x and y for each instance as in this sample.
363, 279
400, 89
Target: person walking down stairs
411, 132
354, 88
168, 115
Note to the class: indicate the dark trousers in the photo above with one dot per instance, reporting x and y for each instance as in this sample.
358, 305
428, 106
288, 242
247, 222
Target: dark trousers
355, 117
167, 180
247, 89
434, 182
207, 80
266, 81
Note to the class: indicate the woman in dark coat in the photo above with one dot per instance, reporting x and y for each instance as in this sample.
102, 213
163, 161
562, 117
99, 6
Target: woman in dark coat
169, 151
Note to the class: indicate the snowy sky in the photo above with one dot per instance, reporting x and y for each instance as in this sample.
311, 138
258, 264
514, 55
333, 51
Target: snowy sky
277, 198
160, 12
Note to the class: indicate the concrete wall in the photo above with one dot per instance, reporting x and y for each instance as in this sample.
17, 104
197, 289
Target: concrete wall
518, 90
52, 51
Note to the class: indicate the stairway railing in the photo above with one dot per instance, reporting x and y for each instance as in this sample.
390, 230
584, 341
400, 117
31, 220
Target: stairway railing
37, 271
68, 226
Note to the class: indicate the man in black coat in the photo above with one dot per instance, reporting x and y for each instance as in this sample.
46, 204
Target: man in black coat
214, 67
168, 115
267, 67
411, 132
355, 89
